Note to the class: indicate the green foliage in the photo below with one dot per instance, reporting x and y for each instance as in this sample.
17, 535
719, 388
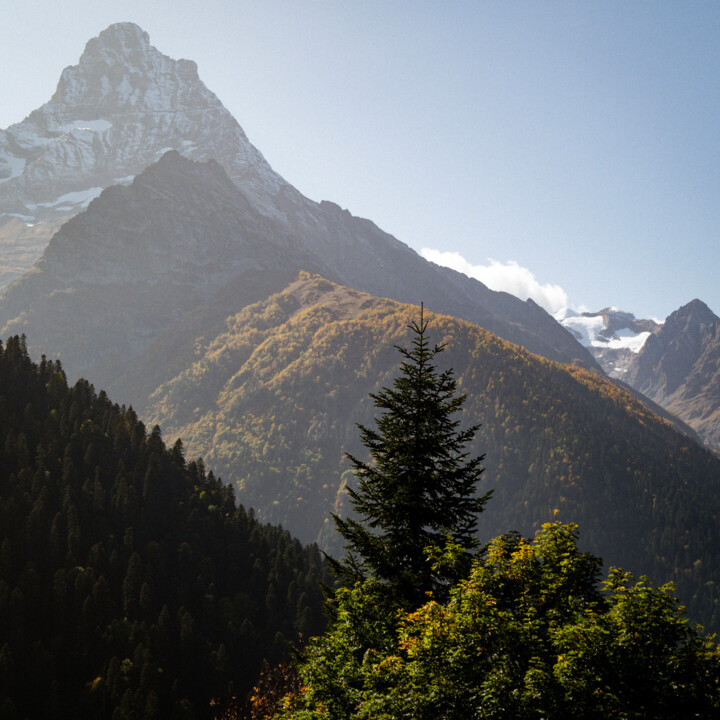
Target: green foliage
131, 586
527, 635
419, 491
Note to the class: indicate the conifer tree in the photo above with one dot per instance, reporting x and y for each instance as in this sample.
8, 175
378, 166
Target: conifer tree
418, 493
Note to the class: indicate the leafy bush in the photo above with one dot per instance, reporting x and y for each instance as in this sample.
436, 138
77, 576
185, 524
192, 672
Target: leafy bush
529, 634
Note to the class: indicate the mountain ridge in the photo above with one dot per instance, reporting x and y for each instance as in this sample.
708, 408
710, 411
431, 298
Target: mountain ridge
97, 304
182, 239
271, 403
121, 74
678, 369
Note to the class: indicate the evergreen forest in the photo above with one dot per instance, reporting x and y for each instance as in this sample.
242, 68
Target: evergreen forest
131, 584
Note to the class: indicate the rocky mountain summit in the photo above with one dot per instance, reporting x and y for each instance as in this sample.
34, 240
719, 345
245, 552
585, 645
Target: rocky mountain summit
679, 368
114, 113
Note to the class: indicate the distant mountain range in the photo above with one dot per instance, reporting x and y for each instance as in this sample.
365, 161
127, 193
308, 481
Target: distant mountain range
143, 257
674, 363
216, 299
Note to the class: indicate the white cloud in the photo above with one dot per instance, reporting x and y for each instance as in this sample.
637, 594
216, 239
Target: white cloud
508, 277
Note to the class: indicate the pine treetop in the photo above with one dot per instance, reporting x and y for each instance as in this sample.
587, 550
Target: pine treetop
417, 494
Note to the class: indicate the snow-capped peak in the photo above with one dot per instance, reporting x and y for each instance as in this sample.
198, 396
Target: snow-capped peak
610, 328
113, 114
612, 335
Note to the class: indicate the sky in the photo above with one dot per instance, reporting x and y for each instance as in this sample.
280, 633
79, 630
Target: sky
567, 151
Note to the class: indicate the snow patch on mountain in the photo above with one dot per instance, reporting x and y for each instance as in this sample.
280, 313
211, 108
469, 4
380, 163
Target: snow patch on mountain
114, 114
27, 219
11, 167
95, 126
585, 329
628, 340
81, 198
595, 330
613, 336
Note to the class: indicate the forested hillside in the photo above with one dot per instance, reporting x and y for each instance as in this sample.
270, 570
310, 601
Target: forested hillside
124, 289
273, 401
131, 586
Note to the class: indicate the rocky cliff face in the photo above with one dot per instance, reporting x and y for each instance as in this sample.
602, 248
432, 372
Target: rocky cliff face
114, 113
679, 368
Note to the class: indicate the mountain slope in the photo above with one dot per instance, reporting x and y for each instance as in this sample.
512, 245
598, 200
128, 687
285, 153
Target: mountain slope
273, 401
679, 368
140, 259
130, 584
160, 262
117, 112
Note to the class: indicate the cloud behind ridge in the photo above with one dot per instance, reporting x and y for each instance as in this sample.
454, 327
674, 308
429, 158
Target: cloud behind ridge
507, 277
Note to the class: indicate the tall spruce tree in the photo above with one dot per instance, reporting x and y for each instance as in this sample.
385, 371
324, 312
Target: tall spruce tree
418, 493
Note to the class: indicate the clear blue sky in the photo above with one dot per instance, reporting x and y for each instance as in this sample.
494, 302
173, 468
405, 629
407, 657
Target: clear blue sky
578, 139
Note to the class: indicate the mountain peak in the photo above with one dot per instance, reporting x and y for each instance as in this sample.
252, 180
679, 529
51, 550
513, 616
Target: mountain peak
681, 365
118, 40
692, 316
696, 310
128, 44
114, 113
120, 67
